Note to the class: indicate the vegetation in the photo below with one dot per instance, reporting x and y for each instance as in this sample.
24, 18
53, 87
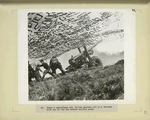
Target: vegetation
84, 84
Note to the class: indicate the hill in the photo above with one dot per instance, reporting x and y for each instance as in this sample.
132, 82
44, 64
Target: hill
107, 58
84, 84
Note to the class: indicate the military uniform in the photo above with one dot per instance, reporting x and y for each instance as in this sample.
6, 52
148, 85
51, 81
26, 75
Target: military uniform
31, 73
54, 64
37, 74
46, 67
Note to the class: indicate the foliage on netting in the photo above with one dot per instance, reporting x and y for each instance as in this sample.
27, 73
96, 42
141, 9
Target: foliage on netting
53, 33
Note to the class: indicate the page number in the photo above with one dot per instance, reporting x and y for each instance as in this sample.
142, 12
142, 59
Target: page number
133, 10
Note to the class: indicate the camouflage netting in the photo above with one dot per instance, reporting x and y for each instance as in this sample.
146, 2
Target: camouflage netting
57, 32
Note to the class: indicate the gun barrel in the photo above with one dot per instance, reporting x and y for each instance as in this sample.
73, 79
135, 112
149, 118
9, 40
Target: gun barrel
90, 48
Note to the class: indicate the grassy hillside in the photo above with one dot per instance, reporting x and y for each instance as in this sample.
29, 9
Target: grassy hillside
85, 84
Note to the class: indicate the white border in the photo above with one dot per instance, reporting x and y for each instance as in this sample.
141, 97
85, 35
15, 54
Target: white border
129, 22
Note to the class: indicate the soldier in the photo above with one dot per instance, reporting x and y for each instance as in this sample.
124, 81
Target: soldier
72, 63
46, 67
72, 60
37, 74
31, 72
54, 64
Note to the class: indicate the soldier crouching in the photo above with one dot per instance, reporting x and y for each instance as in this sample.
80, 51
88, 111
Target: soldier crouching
46, 67
54, 64
31, 72
37, 73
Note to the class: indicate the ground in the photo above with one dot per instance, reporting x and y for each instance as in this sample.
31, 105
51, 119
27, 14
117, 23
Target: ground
97, 83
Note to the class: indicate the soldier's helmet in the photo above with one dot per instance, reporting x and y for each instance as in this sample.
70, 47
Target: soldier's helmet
41, 60
38, 64
54, 60
54, 57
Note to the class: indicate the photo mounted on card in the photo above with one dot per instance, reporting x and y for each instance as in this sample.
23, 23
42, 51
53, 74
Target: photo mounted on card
76, 56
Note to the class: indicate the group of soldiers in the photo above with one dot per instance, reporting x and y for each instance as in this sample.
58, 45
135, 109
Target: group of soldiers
49, 69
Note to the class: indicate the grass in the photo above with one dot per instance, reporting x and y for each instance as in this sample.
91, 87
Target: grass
85, 84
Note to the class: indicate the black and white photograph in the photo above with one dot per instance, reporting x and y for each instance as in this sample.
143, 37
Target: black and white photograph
75, 55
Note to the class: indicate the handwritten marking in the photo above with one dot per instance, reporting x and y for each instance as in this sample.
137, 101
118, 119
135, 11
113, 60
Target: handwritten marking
13, 11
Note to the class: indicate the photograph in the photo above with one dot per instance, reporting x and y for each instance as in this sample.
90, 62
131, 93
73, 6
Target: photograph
75, 56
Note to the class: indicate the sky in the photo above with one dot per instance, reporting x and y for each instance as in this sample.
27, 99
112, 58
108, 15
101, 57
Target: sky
111, 47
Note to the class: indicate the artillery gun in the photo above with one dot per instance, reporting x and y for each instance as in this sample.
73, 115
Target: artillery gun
84, 58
